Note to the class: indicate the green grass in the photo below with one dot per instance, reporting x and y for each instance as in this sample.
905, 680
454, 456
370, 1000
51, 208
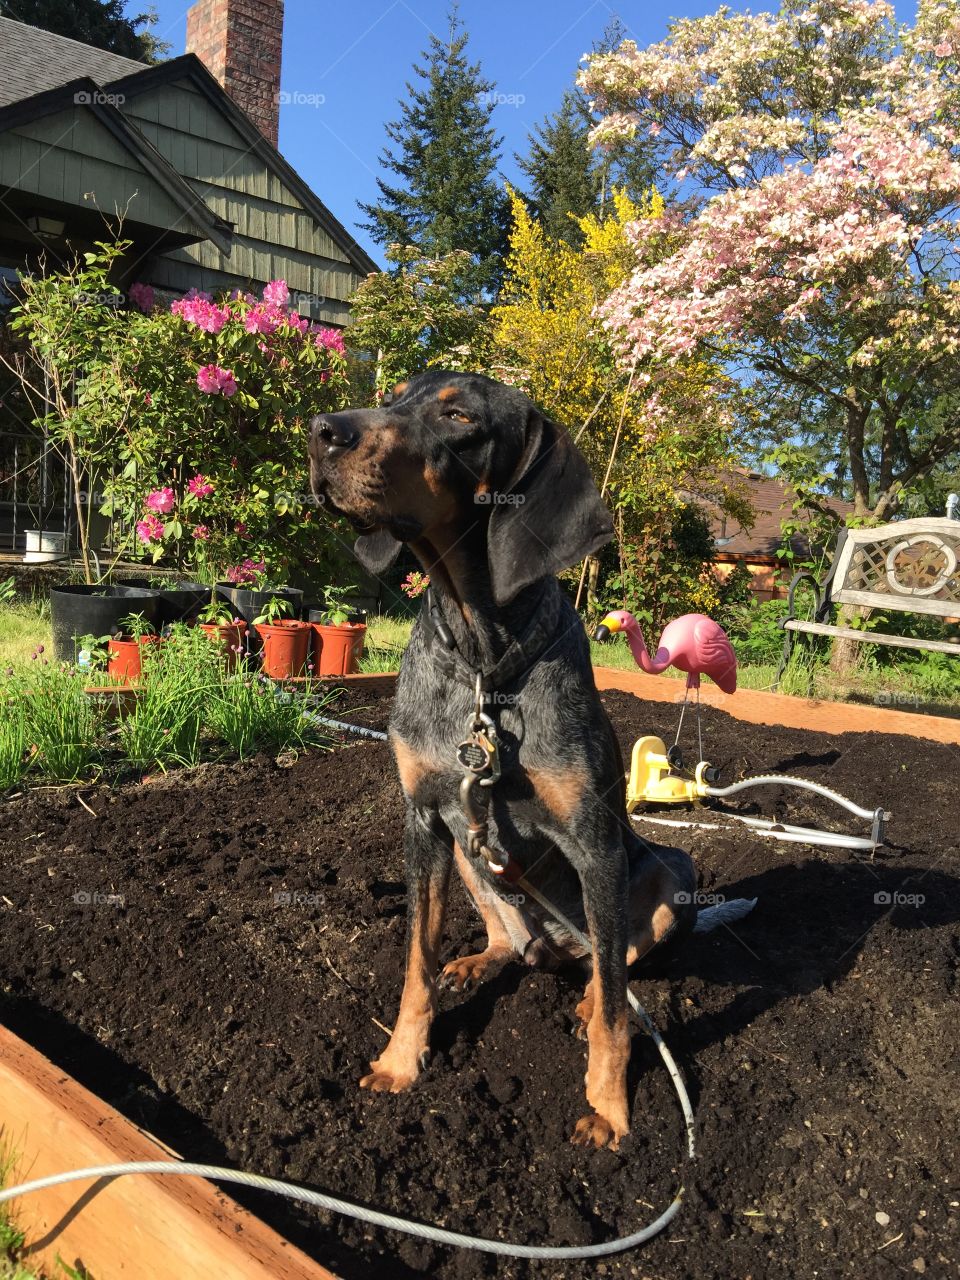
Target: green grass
384, 643
22, 627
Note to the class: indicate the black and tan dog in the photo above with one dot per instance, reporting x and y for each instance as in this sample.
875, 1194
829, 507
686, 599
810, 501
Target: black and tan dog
494, 499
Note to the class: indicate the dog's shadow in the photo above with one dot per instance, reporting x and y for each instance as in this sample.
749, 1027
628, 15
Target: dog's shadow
807, 931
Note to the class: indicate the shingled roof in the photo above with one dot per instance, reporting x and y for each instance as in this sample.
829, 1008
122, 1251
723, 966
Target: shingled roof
772, 503
35, 60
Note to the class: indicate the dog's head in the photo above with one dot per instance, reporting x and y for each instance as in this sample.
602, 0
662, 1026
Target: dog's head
448, 451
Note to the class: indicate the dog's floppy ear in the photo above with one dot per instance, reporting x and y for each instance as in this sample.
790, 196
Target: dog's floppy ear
376, 551
556, 518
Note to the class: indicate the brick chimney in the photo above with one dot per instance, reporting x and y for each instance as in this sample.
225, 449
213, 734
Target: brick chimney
240, 43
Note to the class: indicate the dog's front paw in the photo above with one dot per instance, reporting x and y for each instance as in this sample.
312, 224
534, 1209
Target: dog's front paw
469, 971
387, 1077
597, 1131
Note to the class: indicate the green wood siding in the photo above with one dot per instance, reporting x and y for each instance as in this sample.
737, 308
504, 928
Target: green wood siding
70, 154
274, 236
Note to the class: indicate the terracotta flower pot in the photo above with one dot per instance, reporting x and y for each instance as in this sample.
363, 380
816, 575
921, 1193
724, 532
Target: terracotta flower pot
286, 644
337, 648
125, 661
229, 636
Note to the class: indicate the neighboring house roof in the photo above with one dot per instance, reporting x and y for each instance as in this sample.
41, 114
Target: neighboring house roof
35, 60
772, 503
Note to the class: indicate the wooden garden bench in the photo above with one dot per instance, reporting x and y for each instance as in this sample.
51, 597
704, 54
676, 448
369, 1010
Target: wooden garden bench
911, 565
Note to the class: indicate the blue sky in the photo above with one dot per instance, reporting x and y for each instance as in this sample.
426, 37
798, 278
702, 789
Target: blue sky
345, 67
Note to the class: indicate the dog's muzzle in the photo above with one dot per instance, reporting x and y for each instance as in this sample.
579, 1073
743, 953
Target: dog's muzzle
332, 435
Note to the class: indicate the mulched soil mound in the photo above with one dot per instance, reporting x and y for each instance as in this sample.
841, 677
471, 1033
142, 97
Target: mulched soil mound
231, 1000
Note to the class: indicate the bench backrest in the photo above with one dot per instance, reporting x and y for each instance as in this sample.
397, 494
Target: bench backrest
911, 565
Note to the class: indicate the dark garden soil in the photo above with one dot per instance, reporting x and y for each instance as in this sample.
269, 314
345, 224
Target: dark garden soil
231, 1002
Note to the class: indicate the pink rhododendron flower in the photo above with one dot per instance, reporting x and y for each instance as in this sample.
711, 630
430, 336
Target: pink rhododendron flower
201, 532
240, 528
246, 572
200, 487
142, 296
277, 293
213, 380
261, 319
199, 310
329, 339
150, 529
162, 501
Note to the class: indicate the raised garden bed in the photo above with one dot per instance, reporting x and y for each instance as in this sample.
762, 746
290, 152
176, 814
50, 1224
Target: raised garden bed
232, 1000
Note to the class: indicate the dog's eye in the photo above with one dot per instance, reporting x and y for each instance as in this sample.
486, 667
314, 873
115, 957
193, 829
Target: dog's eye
456, 416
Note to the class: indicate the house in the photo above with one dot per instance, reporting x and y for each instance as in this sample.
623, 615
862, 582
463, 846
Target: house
188, 150
756, 548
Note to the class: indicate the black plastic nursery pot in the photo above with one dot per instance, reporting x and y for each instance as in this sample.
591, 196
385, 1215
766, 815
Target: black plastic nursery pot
182, 601
84, 610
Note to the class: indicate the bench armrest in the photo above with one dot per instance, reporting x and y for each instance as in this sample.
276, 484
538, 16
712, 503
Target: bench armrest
803, 575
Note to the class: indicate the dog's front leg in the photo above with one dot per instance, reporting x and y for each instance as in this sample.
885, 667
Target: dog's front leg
604, 881
428, 852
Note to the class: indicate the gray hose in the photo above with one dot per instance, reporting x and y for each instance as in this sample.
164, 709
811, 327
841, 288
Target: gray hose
781, 780
436, 1235
343, 727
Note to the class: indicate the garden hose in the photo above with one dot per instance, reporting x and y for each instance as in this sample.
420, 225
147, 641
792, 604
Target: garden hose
436, 1235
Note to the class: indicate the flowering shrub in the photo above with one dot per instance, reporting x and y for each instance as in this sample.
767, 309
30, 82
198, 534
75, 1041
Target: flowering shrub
219, 393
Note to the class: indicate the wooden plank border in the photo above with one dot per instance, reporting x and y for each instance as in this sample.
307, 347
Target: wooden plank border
140, 1227
756, 706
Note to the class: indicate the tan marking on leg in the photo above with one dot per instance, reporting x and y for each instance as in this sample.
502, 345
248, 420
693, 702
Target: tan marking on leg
653, 911
399, 1064
411, 766
584, 1011
473, 969
607, 1057
560, 791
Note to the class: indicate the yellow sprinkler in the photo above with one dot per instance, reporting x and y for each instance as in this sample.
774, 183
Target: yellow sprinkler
652, 780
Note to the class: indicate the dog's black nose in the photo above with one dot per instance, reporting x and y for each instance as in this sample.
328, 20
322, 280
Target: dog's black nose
334, 435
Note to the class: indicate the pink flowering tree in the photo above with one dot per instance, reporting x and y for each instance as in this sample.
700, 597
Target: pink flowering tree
818, 150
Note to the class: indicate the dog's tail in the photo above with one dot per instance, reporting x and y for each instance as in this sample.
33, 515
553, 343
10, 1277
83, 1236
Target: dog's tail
723, 913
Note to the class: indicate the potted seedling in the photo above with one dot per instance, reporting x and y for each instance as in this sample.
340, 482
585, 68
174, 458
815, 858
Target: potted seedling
125, 662
286, 641
338, 634
216, 620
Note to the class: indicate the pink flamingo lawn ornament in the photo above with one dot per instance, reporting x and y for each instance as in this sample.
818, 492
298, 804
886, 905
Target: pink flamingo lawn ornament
692, 643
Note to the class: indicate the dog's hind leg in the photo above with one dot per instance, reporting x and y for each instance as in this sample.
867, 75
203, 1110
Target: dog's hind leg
506, 933
428, 848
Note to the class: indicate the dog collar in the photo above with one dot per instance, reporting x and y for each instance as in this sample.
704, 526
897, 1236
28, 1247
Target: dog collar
521, 654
